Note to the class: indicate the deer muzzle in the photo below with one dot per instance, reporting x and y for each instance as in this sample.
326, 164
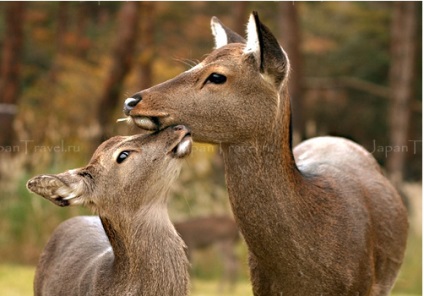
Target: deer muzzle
147, 120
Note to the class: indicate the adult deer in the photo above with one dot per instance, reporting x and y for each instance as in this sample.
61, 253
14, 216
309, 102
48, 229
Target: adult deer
220, 231
132, 248
318, 220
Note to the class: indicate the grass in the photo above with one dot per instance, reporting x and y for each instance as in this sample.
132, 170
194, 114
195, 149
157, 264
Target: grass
200, 287
16, 280
410, 276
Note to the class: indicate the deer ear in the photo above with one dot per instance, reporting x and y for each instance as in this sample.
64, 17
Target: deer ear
62, 189
223, 35
271, 58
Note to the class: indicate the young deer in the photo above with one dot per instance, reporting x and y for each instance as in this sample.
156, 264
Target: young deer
318, 220
221, 231
132, 248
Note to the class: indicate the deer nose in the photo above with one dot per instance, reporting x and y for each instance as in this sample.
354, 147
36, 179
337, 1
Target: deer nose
130, 103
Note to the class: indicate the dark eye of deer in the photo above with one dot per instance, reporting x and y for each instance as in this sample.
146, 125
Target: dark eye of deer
216, 78
122, 156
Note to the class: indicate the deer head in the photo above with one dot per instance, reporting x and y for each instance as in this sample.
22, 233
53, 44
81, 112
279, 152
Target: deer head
124, 173
231, 96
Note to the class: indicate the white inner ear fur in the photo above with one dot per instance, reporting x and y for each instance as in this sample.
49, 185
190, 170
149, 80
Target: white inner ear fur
252, 43
219, 34
73, 190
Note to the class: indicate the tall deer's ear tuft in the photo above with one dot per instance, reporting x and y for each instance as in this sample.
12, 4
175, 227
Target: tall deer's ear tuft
223, 35
272, 61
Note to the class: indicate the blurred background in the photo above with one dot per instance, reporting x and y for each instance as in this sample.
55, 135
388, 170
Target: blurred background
67, 67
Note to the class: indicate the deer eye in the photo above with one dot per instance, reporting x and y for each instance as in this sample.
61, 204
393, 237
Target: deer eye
122, 156
216, 78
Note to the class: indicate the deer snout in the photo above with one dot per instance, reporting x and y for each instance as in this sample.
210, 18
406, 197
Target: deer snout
130, 103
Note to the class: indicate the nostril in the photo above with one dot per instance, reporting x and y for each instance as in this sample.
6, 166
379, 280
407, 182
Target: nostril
130, 103
133, 101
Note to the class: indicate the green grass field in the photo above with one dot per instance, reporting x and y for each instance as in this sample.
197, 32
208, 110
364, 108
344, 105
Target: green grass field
16, 280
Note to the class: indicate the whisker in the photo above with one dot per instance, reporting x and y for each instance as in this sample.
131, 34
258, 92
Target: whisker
187, 62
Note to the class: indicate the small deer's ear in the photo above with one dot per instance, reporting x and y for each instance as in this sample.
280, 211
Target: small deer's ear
271, 58
63, 189
223, 35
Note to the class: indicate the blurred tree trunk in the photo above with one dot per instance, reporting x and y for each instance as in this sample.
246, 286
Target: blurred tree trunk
147, 50
403, 38
83, 44
291, 40
122, 58
10, 69
61, 31
62, 26
240, 17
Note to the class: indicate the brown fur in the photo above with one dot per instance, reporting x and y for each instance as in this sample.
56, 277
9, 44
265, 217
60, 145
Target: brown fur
318, 220
132, 248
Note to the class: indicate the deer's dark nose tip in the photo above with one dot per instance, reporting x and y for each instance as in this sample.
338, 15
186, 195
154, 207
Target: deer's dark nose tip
130, 103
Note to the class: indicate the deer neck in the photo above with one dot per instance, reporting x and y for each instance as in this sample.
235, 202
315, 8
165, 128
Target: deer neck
149, 255
262, 177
